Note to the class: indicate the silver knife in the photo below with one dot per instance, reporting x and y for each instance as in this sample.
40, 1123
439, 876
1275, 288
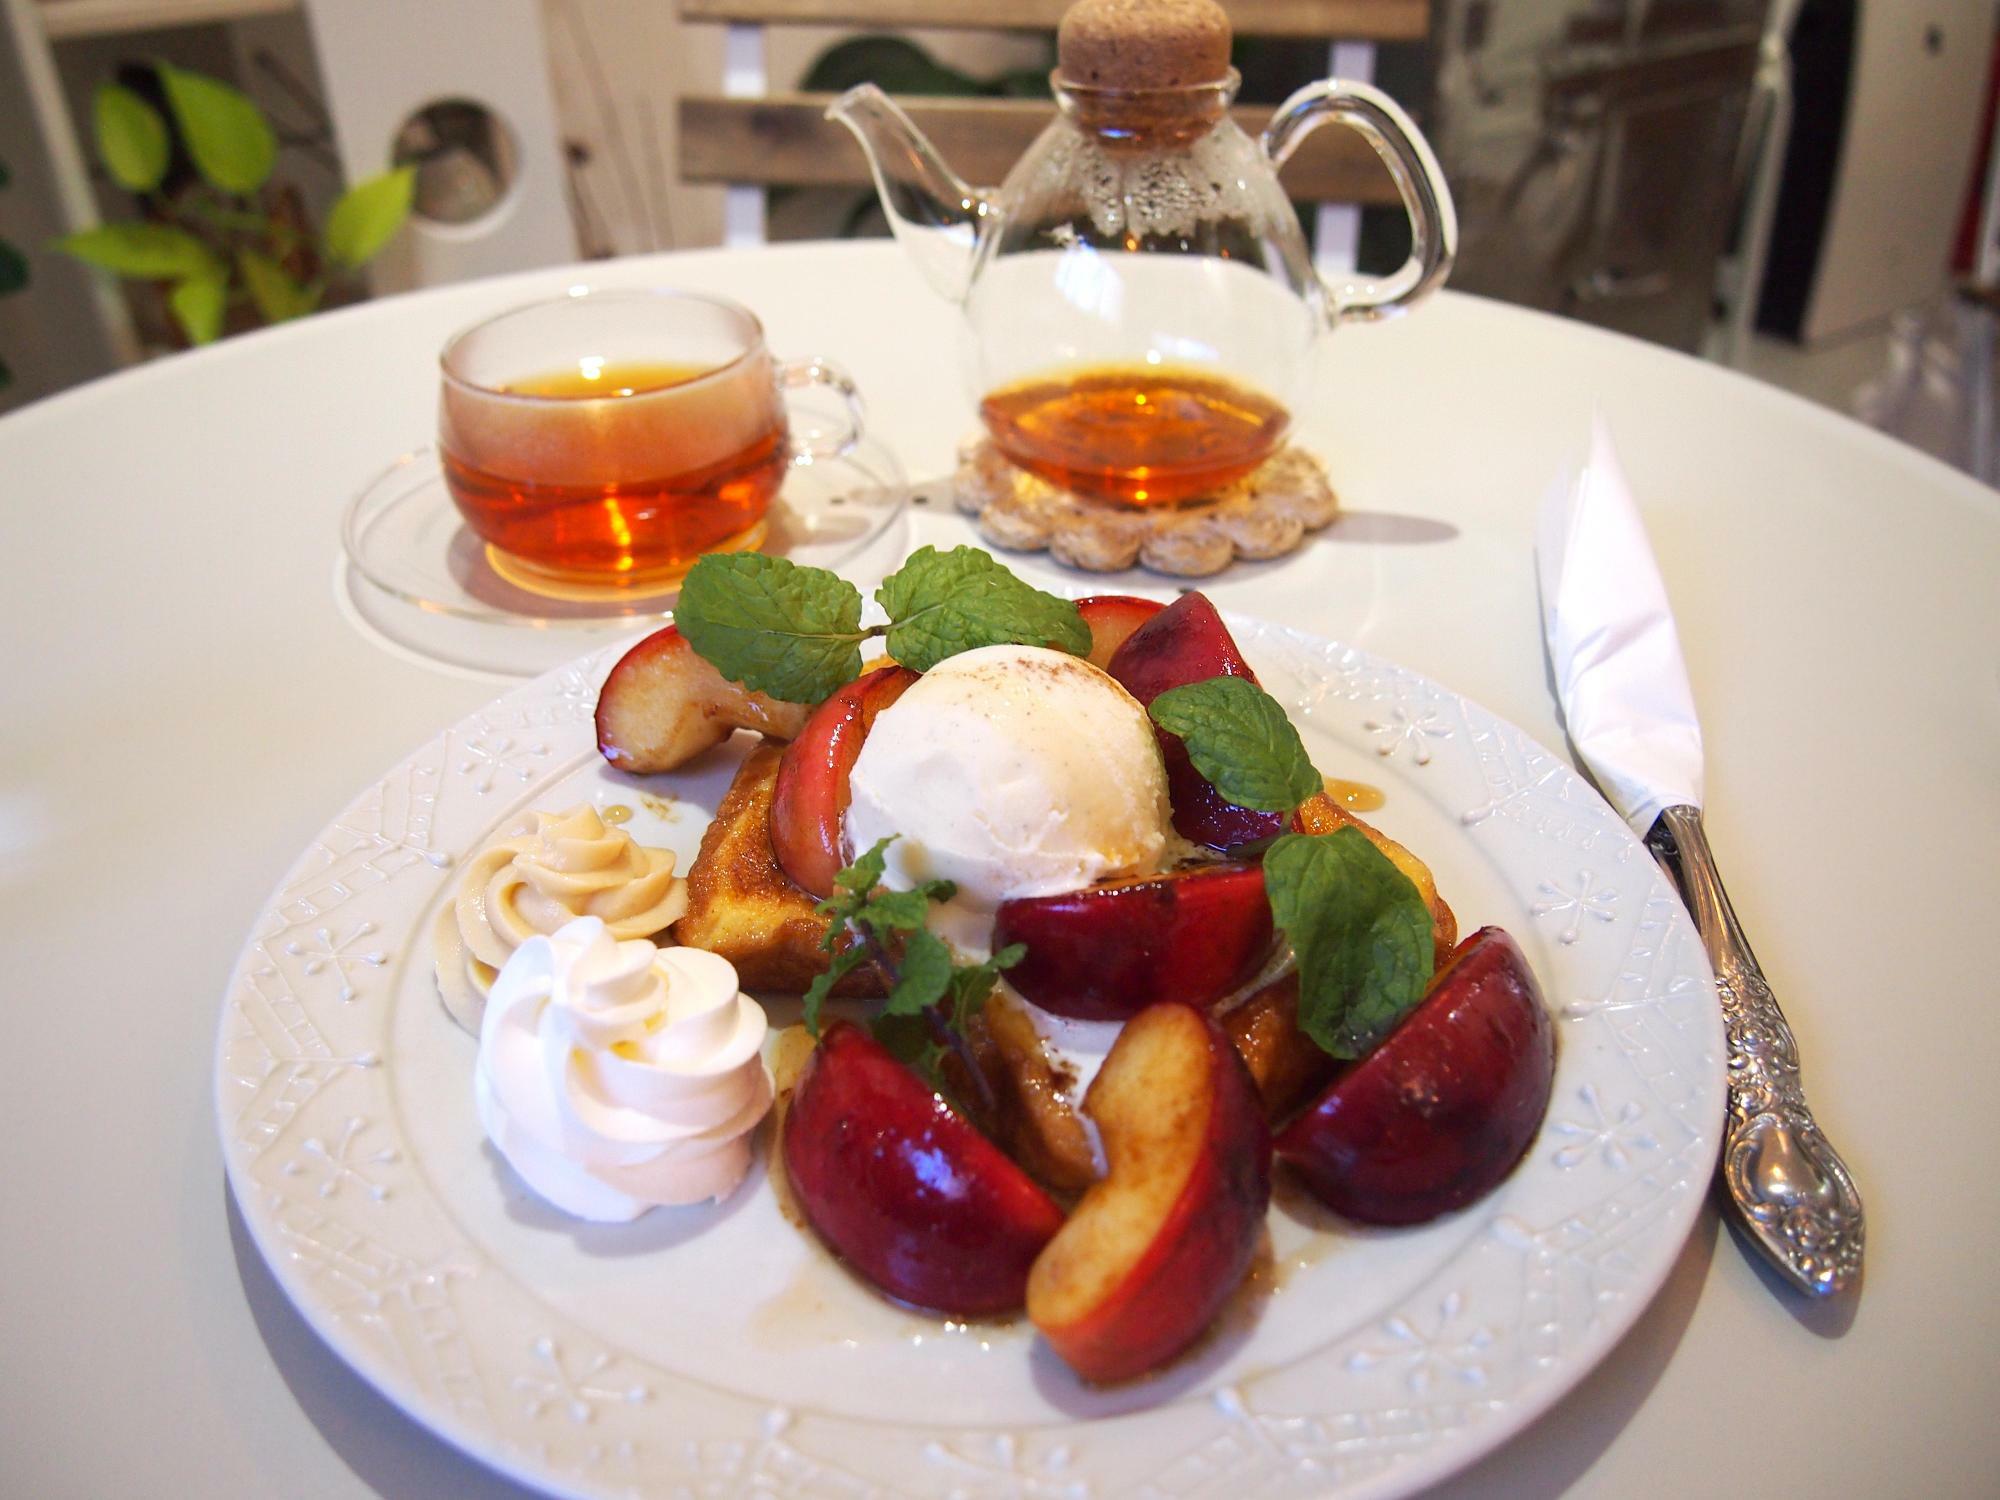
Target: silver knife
1622, 684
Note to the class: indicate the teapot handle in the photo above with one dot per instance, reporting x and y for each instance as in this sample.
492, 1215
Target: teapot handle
1407, 155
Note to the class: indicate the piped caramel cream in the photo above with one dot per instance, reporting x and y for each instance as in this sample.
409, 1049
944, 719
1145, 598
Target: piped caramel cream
570, 864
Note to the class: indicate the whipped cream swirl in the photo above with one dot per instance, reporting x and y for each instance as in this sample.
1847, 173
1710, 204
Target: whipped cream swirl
615, 1076
571, 864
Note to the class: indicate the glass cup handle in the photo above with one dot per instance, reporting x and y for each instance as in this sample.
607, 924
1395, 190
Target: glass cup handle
803, 374
1404, 151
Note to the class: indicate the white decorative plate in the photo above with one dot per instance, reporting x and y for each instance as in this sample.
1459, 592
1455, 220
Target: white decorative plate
715, 1351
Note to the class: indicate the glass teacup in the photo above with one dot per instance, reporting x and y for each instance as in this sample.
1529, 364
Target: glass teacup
605, 440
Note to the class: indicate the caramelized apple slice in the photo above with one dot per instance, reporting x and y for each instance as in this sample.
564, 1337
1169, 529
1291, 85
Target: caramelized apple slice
1112, 618
1108, 951
1440, 1111
1152, 1251
1187, 642
812, 793
662, 705
1285, 1063
913, 1198
1033, 1119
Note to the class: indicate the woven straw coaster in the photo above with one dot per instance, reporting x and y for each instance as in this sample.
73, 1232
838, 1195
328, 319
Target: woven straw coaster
1265, 514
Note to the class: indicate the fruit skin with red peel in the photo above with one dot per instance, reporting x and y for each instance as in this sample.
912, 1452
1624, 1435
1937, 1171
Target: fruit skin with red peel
1153, 1251
663, 704
810, 799
1112, 618
1445, 1105
1108, 951
913, 1198
1187, 642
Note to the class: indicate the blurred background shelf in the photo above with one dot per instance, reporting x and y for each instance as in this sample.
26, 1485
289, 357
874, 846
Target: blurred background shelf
1621, 162
64, 20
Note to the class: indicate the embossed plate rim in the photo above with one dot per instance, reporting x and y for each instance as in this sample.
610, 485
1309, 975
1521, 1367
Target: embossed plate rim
1432, 1383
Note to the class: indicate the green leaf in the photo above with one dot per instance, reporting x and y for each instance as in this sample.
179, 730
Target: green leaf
772, 625
972, 983
13, 269
1362, 933
225, 132
911, 1041
846, 960
942, 603
279, 299
151, 252
924, 970
1238, 736
368, 215
198, 304
854, 895
131, 138
867, 871
903, 911
924, 973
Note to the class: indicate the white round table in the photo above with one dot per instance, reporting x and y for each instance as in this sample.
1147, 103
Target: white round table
186, 705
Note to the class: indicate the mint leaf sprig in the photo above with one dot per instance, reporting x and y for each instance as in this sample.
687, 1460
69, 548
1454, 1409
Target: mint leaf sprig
1359, 927
867, 924
1239, 737
1361, 931
796, 633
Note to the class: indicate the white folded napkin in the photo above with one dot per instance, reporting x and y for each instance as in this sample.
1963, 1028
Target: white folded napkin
1616, 657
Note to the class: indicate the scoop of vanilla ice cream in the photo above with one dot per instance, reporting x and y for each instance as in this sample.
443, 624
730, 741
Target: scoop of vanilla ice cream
1012, 771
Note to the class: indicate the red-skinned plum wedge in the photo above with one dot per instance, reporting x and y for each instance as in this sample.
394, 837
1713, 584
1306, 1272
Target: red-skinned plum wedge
1112, 618
914, 1199
1187, 642
662, 705
1157, 1246
809, 800
1438, 1114
1108, 951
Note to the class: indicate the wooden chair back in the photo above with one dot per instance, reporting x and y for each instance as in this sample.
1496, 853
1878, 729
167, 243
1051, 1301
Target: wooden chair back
751, 139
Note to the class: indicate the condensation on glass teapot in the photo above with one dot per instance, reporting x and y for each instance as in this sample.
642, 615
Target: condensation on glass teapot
1140, 306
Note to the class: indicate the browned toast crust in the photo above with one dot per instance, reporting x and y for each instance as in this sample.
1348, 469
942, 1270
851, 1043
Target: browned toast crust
744, 907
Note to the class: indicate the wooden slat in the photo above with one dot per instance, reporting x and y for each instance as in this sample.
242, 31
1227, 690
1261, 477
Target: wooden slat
1346, 20
65, 19
786, 140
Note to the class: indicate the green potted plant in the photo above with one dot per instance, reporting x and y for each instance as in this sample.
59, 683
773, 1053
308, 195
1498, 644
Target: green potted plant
228, 248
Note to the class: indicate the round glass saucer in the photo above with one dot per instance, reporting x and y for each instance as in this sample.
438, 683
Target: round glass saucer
414, 578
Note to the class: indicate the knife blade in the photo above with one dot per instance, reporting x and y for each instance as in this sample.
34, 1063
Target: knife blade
1621, 681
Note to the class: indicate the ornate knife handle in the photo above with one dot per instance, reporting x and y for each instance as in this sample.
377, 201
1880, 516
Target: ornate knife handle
1782, 1176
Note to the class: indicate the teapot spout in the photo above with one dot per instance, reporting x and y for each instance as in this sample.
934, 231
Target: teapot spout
936, 216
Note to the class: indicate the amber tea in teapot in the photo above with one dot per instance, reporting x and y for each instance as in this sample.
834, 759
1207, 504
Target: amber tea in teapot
1141, 310
1139, 434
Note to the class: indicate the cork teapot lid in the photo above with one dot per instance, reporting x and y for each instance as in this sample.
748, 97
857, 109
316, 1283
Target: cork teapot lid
1143, 44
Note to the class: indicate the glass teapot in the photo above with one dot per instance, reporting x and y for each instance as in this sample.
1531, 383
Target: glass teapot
1140, 307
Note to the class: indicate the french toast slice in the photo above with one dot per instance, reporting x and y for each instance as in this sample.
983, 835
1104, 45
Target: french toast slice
742, 906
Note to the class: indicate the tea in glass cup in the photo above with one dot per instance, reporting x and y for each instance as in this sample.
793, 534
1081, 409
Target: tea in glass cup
606, 440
